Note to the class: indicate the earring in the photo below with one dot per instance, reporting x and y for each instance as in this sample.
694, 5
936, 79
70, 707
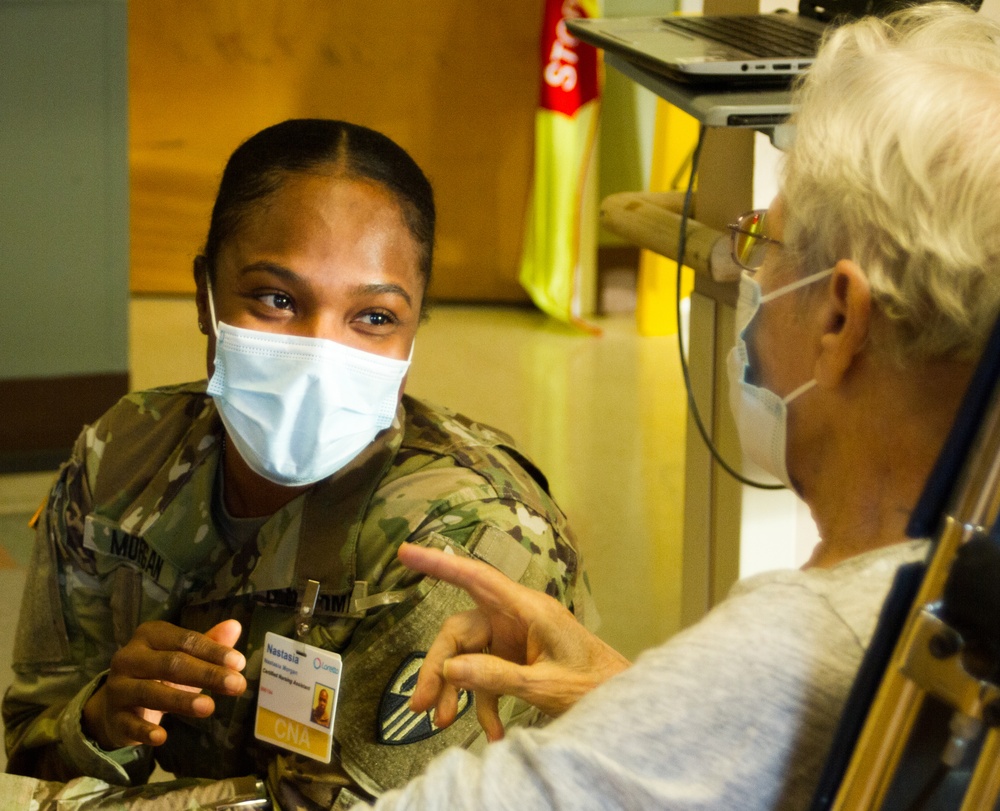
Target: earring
201, 326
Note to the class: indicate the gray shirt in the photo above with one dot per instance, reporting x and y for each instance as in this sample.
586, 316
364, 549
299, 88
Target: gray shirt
738, 711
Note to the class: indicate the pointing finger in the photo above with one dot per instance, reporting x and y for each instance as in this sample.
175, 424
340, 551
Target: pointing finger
486, 585
460, 633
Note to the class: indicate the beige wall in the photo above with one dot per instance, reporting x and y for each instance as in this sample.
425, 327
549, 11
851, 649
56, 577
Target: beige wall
454, 82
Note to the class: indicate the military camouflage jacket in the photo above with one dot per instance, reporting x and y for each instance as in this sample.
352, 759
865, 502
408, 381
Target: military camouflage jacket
128, 535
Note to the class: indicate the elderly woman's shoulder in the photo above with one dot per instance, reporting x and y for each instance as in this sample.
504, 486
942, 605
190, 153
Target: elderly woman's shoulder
849, 595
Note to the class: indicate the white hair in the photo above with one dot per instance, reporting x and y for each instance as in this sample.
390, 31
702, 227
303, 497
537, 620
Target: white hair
896, 165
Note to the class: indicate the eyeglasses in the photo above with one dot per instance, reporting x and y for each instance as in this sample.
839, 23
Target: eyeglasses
749, 243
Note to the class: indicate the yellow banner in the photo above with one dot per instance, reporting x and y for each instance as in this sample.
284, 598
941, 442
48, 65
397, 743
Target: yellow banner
560, 234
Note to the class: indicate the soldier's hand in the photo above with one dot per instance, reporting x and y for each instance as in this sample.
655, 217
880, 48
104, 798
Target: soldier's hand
163, 669
538, 651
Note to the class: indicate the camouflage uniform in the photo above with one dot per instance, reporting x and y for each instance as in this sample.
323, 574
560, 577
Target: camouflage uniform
90, 794
128, 535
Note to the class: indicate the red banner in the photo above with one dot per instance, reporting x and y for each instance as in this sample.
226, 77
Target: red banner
569, 67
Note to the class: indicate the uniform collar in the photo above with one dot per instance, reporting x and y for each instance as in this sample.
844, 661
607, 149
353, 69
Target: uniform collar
314, 536
334, 512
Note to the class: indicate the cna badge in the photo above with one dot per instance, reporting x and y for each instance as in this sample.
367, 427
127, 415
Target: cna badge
297, 697
397, 724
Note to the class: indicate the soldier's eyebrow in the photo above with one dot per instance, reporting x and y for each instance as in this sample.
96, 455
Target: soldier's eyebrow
374, 289
280, 271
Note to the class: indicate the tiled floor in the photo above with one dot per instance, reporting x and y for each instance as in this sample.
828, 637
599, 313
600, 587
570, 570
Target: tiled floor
603, 417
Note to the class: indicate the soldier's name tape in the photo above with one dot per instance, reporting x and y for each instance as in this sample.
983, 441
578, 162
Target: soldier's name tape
114, 544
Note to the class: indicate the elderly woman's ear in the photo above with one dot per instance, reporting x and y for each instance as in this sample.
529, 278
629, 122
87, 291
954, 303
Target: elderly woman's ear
846, 319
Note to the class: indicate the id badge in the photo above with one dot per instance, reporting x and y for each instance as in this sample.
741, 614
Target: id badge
297, 699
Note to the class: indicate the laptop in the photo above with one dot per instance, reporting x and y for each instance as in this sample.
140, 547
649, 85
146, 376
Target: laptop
735, 50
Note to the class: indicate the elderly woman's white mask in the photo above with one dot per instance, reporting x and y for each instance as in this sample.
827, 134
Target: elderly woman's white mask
761, 415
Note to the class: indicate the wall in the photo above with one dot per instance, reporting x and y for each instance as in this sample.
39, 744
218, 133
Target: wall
64, 209
454, 82
457, 87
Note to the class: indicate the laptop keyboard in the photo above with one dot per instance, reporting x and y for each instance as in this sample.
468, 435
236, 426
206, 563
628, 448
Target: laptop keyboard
761, 35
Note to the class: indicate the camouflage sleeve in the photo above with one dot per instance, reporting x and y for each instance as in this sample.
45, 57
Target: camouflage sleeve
91, 794
62, 646
526, 537
514, 538
512, 525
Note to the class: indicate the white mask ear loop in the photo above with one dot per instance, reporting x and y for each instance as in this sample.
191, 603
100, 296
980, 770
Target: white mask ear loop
211, 306
788, 288
799, 391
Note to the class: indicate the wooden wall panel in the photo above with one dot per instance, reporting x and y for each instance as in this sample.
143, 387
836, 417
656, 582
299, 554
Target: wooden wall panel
455, 82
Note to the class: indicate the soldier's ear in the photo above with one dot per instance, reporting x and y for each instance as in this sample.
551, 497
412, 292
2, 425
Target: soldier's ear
201, 294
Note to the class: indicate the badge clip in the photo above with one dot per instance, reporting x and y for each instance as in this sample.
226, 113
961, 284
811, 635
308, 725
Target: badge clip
362, 602
307, 606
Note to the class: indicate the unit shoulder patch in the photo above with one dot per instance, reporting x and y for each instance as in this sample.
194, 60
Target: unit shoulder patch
399, 725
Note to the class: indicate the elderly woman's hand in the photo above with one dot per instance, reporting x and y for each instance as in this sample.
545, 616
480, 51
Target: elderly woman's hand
537, 650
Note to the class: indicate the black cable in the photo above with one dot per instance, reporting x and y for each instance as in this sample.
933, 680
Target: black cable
681, 246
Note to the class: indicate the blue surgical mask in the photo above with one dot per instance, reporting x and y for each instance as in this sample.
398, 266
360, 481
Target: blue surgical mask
300, 409
761, 415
